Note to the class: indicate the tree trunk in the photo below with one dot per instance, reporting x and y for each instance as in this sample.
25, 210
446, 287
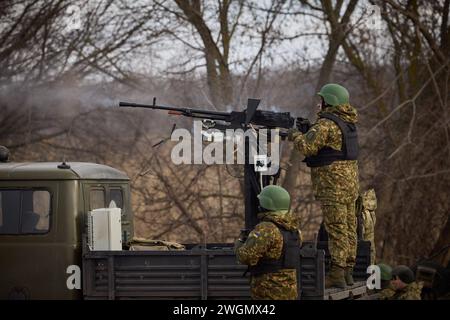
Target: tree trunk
217, 69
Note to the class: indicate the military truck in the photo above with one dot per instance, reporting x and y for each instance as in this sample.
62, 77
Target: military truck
43, 245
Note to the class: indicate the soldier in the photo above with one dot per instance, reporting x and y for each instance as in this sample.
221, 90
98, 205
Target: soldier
369, 205
404, 285
272, 249
331, 150
387, 290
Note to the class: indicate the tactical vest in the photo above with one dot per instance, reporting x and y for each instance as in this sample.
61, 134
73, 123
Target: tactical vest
328, 155
290, 255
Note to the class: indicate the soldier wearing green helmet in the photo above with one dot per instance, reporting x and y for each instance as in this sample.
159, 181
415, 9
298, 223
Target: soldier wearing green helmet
387, 290
272, 248
330, 147
334, 94
385, 273
404, 284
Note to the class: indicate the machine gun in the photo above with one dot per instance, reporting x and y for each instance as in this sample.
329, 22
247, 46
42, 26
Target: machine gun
250, 117
228, 120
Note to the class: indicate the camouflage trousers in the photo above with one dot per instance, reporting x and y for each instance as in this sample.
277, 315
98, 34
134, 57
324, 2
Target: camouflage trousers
371, 238
369, 232
340, 223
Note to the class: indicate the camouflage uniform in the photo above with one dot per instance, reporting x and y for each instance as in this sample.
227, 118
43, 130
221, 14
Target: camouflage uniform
369, 203
335, 185
412, 291
266, 242
387, 293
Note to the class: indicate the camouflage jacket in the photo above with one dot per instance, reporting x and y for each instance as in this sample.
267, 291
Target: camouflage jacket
369, 203
386, 293
266, 242
369, 221
339, 181
411, 292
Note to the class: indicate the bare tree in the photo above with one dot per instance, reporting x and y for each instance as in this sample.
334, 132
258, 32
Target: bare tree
217, 28
411, 110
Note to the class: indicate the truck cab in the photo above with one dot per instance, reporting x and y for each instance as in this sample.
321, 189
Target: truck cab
42, 218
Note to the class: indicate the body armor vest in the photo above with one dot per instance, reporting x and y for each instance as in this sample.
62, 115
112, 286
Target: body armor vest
290, 256
349, 150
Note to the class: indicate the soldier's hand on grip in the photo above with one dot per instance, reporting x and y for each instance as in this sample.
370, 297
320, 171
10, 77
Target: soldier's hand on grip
244, 235
303, 124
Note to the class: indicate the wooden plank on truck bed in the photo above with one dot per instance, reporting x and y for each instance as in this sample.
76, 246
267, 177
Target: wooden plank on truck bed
370, 296
358, 289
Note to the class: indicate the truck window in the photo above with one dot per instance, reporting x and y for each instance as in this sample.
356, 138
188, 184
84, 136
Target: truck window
10, 211
117, 197
25, 211
41, 206
97, 199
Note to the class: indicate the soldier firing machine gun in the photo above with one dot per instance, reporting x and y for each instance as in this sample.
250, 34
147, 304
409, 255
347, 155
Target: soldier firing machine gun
250, 117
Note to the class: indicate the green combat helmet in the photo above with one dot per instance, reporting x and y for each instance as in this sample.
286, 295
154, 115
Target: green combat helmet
334, 94
385, 272
404, 273
274, 198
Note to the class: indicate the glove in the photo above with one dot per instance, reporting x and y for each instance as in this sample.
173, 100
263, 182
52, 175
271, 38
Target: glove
241, 240
293, 133
303, 124
243, 235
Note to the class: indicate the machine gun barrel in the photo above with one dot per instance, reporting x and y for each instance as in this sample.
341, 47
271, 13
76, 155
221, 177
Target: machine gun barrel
235, 119
188, 112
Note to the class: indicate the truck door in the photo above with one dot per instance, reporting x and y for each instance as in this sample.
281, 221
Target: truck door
25, 228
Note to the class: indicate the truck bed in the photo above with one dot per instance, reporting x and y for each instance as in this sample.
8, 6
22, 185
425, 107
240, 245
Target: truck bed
201, 272
357, 290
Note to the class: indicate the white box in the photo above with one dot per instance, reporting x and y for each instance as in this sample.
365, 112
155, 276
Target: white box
260, 163
105, 229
